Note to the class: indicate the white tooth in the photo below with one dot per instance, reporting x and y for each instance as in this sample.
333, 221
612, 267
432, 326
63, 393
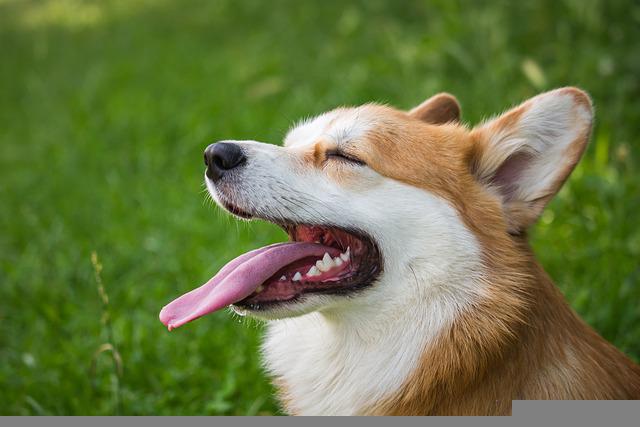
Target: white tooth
259, 289
345, 256
337, 261
297, 277
313, 271
327, 259
320, 265
283, 278
326, 263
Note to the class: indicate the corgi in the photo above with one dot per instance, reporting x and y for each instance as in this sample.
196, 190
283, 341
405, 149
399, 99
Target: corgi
408, 286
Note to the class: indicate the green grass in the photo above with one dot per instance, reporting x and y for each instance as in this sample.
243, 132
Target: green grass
106, 107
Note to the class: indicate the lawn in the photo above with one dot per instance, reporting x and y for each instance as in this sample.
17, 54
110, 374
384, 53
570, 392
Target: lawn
106, 107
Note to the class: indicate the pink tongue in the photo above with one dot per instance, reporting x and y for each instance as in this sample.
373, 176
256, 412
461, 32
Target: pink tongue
237, 280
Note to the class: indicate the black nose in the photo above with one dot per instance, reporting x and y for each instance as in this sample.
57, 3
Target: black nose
221, 157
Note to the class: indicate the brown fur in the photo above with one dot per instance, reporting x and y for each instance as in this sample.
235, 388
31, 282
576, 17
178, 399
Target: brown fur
439, 109
522, 340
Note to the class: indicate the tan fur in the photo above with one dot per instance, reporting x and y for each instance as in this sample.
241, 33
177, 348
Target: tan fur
439, 109
316, 155
522, 341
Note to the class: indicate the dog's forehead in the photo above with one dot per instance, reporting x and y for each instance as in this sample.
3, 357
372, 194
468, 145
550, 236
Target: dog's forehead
337, 126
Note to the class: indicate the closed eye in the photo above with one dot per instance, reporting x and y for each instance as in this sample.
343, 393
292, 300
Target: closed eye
340, 156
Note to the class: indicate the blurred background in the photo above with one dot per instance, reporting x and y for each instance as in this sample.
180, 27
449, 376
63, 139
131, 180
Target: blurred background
107, 106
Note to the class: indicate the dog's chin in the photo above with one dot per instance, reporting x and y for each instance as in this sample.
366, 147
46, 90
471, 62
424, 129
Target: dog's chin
226, 202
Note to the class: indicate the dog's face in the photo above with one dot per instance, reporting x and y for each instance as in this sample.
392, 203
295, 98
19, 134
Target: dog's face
404, 204
344, 177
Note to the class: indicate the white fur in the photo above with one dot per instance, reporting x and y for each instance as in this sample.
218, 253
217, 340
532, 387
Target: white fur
550, 124
339, 125
342, 354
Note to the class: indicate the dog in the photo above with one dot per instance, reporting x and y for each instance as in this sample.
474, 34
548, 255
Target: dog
408, 286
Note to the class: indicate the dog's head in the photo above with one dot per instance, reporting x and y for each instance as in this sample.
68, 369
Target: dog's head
385, 207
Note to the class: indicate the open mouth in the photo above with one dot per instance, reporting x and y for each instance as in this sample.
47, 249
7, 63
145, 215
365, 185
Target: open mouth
316, 260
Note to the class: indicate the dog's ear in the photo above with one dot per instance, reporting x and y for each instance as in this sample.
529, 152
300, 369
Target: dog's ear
527, 153
439, 109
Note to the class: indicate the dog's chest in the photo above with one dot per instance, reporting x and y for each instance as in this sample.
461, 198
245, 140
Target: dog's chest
329, 370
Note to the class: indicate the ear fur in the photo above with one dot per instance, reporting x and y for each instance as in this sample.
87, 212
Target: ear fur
527, 153
439, 109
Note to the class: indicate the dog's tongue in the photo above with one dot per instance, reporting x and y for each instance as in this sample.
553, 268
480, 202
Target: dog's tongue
237, 280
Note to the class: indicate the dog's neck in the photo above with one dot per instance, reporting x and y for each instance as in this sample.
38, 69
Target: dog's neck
439, 356
338, 362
